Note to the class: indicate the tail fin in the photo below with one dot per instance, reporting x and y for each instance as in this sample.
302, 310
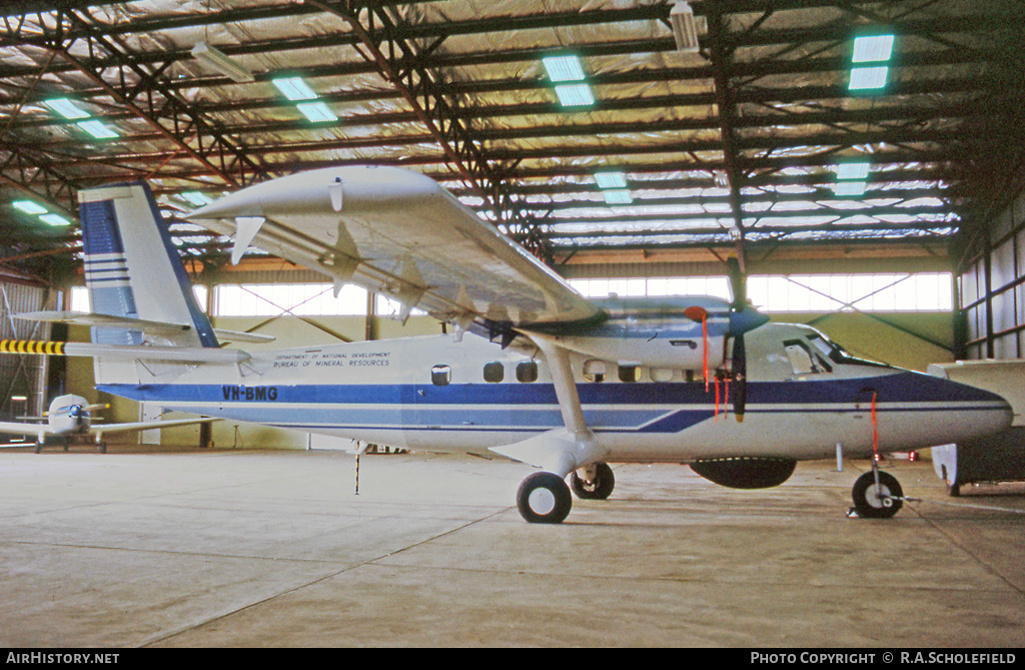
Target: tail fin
133, 270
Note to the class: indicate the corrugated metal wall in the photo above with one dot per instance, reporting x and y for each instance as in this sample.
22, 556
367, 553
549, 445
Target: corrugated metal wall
22, 375
992, 288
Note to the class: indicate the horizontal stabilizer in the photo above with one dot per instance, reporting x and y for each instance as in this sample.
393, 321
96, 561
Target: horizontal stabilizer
123, 352
152, 327
105, 321
239, 336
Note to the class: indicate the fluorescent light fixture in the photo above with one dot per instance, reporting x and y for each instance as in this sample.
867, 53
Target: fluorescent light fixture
685, 27
29, 207
97, 129
196, 198
294, 88
863, 78
849, 188
857, 170
872, 48
220, 62
66, 108
316, 111
618, 197
610, 179
574, 95
563, 68
55, 220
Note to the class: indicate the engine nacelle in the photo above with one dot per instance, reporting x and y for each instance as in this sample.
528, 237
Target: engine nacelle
674, 332
746, 473
69, 414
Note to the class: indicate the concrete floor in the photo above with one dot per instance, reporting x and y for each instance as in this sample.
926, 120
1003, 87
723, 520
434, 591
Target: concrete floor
255, 548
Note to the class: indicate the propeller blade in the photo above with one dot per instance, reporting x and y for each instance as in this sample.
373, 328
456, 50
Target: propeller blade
738, 283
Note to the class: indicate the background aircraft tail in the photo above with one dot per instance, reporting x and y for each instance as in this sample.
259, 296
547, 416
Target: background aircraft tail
134, 272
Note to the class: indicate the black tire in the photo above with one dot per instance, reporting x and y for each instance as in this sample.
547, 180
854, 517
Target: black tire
38, 448
544, 497
101, 447
598, 489
873, 503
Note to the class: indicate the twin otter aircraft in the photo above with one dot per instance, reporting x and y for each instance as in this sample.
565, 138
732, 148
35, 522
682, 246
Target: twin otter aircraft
548, 378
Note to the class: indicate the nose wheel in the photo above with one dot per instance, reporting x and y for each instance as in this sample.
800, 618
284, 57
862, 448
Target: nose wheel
544, 497
877, 495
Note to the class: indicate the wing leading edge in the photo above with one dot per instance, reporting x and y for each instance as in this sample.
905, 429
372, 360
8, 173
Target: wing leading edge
401, 234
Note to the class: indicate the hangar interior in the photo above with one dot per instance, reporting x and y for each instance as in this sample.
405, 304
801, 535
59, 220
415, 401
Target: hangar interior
855, 156
861, 159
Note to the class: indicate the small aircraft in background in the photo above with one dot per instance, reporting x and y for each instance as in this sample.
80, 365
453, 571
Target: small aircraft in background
549, 378
70, 416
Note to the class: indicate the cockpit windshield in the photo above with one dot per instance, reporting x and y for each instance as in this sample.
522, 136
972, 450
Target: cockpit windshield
838, 354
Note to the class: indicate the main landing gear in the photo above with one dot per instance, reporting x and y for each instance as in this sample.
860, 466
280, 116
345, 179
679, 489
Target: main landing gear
544, 497
877, 495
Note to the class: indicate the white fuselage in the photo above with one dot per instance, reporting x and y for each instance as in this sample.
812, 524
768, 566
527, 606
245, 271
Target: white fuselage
435, 393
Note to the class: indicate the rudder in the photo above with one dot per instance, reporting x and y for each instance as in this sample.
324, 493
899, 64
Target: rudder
133, 270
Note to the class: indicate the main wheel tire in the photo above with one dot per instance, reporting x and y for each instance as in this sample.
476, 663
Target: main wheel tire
880, 501
599, 488
543, 497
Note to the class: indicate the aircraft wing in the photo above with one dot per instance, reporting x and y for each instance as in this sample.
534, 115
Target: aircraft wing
401, 234
100, 429
21, 428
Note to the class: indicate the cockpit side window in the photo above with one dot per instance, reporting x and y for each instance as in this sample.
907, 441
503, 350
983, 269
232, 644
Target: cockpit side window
837, 354
803, 359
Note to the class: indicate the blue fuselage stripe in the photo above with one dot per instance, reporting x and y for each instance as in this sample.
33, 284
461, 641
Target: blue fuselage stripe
611, 407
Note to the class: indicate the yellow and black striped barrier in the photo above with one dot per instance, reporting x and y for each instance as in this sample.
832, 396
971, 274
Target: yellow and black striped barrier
32, 347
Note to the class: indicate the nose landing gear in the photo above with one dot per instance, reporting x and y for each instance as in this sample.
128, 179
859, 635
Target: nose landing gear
877, 495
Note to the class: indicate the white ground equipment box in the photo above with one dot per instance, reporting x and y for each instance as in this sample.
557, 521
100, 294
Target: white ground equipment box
999, 457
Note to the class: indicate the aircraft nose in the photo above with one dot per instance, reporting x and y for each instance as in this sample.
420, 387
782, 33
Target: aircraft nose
993, 414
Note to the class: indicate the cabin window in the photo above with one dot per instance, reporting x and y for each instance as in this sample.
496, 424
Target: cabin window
629, 373
526, 371
494, 372
594, 370
441, 375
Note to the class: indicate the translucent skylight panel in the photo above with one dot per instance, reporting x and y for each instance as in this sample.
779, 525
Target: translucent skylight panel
610, 179
66, 108
196, 198
849, 188
563, 68
574, 95
55, 220
97, 129
316, 112
618, 197
856, 170
872, 48
29, 207
294, 88
868, 78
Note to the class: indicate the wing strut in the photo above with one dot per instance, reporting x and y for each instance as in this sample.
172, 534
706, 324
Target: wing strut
562, 450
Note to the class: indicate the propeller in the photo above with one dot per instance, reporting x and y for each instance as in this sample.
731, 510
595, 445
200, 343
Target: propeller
738, 284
